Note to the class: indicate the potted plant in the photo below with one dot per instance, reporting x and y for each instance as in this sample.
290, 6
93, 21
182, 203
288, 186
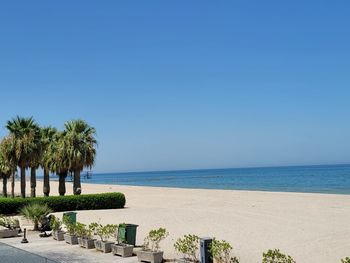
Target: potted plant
220, 251
188, 246
85, 235
104, 232
56, 226
35, 212
70, 236
9, 222
150, 251
275, 256
122, 248
9, 227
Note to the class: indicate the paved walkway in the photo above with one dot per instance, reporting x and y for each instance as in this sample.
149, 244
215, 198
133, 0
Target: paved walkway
10, 254
54, 251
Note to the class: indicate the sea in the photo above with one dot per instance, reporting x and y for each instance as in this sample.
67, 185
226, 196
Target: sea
330, 179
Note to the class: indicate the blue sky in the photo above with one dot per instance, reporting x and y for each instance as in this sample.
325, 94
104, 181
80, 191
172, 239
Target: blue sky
184, 84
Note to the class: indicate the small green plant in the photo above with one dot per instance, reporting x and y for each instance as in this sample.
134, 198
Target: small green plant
35, 213
345, 260
9, 222
275, 256
89, 231
221, 252
55, 224
84, 231
105, 231
71, 227
80, 229
154, 237
93, 226
188, 246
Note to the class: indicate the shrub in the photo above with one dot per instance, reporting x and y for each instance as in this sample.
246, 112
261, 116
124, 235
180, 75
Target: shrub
104, 231
221, 252
345, 260
70, 226
275, 256
154, 237
84, 231
188, 246
35, 213
80, 229
9, 222
65, 203
55, 223
89, 231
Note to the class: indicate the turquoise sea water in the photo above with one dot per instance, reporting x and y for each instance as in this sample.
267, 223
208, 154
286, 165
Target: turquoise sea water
311, 179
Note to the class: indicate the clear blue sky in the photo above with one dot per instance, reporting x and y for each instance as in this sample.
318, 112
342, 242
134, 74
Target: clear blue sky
184, 84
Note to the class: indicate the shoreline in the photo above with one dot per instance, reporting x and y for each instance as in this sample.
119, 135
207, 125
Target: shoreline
219, 189
183, 188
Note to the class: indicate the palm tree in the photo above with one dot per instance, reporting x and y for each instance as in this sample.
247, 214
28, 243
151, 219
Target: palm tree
36, 213
5, 172
35, 159
8, 152
25, 133
81, 149
47, 136
57, 159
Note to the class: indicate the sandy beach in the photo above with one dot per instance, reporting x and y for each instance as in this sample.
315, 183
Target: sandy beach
309, 227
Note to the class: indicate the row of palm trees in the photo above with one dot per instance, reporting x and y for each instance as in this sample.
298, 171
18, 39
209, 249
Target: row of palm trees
29, 146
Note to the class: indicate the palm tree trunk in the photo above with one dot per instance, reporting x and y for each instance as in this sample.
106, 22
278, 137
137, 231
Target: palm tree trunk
76, 183
13, 180
32, 181
62, 183
23, 182
46, 182
36, 225
4, 186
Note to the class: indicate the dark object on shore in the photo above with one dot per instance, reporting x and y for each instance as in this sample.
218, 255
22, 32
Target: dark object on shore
87, 175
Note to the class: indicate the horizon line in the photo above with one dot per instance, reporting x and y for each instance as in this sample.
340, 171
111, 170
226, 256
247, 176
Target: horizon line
223, 168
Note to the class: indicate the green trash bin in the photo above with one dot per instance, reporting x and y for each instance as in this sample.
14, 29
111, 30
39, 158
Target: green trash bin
127, 233
72, 216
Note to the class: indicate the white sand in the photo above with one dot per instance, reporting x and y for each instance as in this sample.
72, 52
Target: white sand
309, 227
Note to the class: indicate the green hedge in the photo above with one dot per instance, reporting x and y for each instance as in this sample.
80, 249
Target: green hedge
65, 203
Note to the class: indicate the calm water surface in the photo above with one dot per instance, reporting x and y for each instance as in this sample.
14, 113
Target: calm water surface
311, 179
